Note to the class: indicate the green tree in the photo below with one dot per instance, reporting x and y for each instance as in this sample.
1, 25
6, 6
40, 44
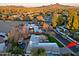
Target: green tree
41, 52
60, 20
38, 52
15, 49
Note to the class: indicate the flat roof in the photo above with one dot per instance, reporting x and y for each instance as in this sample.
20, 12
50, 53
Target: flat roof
34, 38
54, 45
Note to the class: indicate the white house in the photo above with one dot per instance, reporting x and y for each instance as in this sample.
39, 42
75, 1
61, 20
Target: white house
50, 48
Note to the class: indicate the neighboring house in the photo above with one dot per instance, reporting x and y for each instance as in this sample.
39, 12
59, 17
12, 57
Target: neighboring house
50, 48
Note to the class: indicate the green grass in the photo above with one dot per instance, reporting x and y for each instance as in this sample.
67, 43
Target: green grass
51, 39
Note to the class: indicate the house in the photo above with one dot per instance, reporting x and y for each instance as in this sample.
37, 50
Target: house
51, 49
34, 28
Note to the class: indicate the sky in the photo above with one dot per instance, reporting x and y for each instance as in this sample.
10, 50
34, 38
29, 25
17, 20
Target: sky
36, 3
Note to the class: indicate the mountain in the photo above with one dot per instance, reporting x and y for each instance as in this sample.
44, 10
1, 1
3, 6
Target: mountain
47, 8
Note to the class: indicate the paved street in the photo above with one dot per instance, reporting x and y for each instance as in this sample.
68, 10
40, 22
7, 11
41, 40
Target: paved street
74, 49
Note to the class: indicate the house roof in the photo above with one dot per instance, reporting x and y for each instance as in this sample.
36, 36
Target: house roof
50, 48
47, 46
35, 38
36, 28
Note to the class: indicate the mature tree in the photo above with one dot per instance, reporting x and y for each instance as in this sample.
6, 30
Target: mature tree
54, 20
40, 18
24, 31
16, 33
45, 26
30, 17
70, 22
60, 20
10, 36
76, 22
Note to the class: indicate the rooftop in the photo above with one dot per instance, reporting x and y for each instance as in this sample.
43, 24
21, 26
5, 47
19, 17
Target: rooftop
36, 28
35, 38
49, 47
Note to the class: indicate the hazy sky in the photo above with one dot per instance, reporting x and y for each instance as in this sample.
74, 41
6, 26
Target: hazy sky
35, 3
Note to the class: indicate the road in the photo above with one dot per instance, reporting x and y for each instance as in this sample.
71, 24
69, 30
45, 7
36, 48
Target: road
74, 49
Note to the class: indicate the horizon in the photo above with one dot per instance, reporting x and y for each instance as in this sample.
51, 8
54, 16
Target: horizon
36, 4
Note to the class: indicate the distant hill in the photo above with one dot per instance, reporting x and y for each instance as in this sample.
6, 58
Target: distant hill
51, 5
35, 9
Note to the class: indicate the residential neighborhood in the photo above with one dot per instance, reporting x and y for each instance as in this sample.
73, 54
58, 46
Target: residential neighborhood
51, 30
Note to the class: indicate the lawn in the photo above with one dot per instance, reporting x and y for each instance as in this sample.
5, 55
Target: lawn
51, 39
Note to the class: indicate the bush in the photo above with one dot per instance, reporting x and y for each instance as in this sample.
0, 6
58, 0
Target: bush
15, 49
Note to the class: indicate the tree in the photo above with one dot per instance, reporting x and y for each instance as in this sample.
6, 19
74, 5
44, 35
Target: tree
24, 31
22, 17
70, 22
1, 15
41, 52
45, 26
10, 18
16, 34
30, 17
10, 36
38, 52
54, 20
40, 18
15, 49
75, 22
4, 17
60, 20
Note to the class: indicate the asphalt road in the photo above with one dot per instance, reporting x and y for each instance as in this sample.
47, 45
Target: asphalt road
74, 49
